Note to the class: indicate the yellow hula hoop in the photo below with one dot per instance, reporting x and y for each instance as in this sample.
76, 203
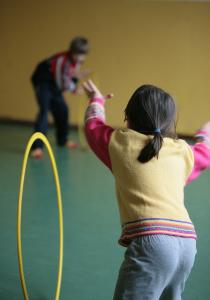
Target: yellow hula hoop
33, 138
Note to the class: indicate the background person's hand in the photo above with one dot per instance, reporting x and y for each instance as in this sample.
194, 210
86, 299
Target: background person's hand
85, 73
81, 74
80, 90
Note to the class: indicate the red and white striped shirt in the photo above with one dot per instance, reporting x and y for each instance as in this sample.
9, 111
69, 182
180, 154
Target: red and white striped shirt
62, 70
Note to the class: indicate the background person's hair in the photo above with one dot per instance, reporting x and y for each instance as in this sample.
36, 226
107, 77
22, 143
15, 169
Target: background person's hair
79, 45
151, 111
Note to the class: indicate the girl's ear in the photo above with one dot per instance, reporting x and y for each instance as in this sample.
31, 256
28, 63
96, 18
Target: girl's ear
128, 124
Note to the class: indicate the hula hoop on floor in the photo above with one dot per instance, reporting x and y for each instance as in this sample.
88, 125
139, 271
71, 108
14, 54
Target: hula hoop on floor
33, 138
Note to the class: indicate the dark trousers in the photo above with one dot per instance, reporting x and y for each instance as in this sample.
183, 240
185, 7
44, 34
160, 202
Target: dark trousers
50, 99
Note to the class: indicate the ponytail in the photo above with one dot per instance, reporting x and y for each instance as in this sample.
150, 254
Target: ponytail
152, 112
151, 149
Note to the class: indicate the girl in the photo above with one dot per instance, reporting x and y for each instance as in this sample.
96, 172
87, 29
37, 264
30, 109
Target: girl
51, 78
151, 167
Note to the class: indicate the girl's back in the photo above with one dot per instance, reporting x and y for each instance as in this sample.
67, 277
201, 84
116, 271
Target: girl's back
152, 190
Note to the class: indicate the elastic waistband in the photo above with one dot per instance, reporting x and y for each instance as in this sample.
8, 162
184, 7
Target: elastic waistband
151, 226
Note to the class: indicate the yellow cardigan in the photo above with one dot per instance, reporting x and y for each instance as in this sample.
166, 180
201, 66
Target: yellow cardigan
151, 195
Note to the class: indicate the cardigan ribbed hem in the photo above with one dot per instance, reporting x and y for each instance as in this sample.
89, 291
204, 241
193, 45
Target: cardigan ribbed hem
151, 226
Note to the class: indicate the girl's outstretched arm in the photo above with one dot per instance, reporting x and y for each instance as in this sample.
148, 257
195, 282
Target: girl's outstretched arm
98, 134
201, 151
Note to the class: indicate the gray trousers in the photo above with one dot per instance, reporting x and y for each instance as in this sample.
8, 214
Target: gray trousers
155, 267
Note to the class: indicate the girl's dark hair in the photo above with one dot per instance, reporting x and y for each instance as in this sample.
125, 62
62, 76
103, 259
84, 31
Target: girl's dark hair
151, 111
79, 45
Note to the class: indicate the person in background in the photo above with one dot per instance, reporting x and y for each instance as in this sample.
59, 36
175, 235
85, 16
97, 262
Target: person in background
151, 167
51, 78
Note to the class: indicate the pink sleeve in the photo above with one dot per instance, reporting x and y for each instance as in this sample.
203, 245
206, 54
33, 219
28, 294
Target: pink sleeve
98, 134
201, 153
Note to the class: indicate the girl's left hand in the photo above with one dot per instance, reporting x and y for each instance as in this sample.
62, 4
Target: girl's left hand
93, 92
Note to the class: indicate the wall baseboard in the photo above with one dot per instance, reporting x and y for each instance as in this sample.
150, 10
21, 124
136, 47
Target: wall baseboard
11, 121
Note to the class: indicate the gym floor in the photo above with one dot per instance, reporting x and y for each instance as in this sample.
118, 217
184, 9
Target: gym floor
91, 225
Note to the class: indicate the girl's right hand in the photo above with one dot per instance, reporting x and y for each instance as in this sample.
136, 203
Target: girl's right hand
206, 128
203, 135
93, 92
